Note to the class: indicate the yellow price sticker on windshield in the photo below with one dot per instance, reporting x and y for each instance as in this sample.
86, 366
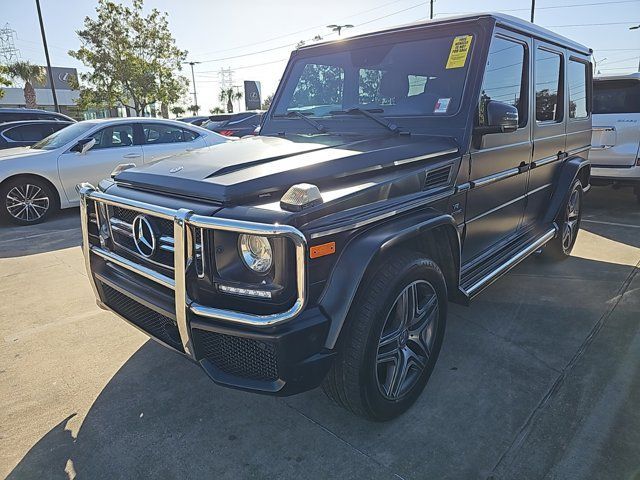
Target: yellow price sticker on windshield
459, 51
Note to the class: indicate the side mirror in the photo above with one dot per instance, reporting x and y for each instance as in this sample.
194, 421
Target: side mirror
84, 145
500, 118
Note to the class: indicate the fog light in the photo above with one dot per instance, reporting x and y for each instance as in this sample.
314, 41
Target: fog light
256, 252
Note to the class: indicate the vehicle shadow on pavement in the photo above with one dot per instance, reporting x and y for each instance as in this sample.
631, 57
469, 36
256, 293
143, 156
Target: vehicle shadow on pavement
60, 232
160, 417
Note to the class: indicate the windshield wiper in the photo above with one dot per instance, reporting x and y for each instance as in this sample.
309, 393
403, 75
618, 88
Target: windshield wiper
295, 113
370, 114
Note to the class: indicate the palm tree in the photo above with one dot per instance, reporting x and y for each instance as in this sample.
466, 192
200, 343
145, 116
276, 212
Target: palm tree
227, 96
29, 74
216, 110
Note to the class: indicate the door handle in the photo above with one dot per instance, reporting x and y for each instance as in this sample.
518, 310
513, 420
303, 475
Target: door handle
132, 155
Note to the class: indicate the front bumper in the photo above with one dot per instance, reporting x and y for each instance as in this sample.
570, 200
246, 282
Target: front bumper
262, 353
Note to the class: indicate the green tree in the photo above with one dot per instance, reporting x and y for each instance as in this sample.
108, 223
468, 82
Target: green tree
29, 74
133, 58
194, 109
5, 81
178, 110
216, 110
227, 96
266, 103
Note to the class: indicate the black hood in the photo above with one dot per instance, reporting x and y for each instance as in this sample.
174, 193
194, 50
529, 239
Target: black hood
255, 168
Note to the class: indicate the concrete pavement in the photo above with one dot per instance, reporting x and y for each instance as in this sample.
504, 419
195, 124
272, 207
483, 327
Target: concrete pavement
539, 378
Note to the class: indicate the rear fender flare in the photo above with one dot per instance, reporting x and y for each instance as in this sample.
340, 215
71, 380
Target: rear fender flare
571, 169
363, 251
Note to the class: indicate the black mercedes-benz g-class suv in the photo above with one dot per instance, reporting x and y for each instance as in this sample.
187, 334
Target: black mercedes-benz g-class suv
394, 172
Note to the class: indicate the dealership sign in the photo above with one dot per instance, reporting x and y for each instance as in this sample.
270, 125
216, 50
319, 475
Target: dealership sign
63, 78
252, 100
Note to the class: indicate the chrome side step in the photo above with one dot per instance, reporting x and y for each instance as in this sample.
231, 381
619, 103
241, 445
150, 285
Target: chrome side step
503, 268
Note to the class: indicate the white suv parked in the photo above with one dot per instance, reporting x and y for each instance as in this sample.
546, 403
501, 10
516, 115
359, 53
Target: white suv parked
615, 143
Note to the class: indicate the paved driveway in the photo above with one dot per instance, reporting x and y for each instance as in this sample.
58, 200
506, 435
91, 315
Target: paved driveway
539, 378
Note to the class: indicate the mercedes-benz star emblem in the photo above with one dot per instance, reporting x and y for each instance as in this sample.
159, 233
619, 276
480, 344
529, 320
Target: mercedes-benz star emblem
144, 237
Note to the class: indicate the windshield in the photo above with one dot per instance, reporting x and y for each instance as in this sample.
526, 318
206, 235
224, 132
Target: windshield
416, 78
62, 137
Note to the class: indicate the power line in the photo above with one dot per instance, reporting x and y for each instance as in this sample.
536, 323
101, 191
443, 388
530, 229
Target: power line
549, 7
300, 31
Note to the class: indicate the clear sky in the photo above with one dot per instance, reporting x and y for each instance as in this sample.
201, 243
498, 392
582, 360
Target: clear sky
254, 38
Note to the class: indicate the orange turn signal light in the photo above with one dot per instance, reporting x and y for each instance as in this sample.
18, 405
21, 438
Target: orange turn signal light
322, 250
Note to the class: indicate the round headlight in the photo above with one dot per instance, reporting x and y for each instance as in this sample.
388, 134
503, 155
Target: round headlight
256, 252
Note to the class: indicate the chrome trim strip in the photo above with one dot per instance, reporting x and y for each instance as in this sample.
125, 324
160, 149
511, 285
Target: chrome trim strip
425, 157
545, 161
496, 177
578, 150
141, 270
182, 257
421, 201
512, 262
495, 209
463, 187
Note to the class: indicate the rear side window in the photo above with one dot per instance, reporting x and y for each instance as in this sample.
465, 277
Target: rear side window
505, 78
156, 134
28, 133
616, 96
548, 86
578, 91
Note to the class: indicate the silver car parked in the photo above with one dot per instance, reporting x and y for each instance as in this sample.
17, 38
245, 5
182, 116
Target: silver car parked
37, 180
615, 143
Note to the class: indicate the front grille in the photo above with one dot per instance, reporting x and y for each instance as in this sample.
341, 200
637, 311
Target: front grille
238, 356
155, 324
122, 235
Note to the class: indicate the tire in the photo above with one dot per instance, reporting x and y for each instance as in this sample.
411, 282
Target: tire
364, 376
569, 222
27, 201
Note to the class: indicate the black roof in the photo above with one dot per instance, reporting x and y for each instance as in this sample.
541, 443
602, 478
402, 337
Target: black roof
17, 123
35, 110
507, 21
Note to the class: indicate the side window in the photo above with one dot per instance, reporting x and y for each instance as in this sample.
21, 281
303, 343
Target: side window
548, 86
505, 78
577, 79
112, 137
156, 133
189, 135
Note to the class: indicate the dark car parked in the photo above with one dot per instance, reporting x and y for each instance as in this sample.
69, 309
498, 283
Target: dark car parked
20, 114
234, 124
394, 172
194, 120
27, 133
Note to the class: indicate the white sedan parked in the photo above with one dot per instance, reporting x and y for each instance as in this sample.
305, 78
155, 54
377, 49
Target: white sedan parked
37, 180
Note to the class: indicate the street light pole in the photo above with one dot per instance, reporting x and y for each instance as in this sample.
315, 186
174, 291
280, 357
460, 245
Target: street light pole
193, 77
46, 54
338, 28
431, 10
533, 9
636, 27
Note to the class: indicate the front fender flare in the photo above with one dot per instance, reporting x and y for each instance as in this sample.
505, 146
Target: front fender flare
363, 250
